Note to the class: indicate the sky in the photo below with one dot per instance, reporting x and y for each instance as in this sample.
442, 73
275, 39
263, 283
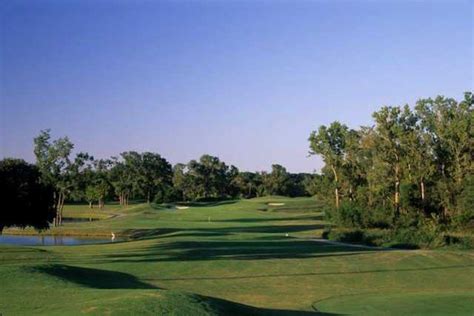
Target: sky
246, 81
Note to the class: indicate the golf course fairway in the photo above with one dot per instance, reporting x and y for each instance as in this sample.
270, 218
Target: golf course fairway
242, 257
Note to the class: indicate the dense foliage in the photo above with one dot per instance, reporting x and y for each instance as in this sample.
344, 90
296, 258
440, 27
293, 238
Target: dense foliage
411, 170
150, 177
27, 200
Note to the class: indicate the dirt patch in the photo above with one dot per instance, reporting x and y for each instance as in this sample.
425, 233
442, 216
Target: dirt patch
275, 204
182, 207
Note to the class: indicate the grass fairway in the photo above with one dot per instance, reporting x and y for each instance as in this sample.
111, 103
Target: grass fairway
230, 258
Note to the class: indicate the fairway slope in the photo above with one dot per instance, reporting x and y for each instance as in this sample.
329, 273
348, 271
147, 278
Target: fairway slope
228, 258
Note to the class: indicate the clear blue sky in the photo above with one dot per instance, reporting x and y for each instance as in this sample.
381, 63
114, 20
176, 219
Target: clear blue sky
244, 80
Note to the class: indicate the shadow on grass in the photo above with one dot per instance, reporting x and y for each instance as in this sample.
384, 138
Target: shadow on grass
257, 220
286, 275
224, 307
283, 312
93, 278
207, 203
172, 206
169, 232
219, 231
234, 250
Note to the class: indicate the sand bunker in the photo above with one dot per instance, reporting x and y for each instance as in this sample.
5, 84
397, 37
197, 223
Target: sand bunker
182, 207
276, 204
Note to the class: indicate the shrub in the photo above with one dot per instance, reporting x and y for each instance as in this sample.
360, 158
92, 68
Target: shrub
410, 198
347, 215
380, 218
166, 195
417, 232
352, 215
358, 236
463, 242
465, 215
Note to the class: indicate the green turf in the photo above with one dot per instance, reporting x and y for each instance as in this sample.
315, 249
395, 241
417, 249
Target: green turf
231, 258
84, 211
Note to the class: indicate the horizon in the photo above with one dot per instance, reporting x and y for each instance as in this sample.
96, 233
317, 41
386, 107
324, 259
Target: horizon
244, 81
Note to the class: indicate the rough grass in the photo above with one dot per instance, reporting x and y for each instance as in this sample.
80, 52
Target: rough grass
228, 258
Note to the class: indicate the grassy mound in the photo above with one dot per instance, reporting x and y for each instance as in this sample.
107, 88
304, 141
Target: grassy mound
81, 290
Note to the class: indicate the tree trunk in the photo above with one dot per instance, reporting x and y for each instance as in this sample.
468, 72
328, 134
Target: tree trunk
59, 209
422, 187
62, 208
336, 190
397, 195
397, 190
57, 220
90, 204
445, 212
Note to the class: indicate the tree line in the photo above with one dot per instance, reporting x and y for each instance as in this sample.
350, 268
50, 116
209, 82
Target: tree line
149, 177
411, 165
413, 162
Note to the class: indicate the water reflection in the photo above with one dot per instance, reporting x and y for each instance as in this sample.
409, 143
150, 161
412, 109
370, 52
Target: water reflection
53, 240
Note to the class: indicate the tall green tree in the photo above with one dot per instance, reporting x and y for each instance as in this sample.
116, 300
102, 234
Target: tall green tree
449, 127
57, 168
151, 172
26, 199
330, 143
277, 182
391, 126
121, 177
247, 184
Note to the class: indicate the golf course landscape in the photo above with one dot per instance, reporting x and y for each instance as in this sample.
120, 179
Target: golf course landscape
256, 256
236, 158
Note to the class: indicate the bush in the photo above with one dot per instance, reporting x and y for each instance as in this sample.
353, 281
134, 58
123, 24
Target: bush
465, 214
463, 242
347, 215
358, 236
410, 198
352, 215
380, 218
417, 232
166, 195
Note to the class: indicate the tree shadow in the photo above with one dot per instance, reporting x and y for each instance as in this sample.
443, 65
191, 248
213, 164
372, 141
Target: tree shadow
257, 220
262, 276
147, 233
93, 278
218, 231
207, 203
284, 312
235, 250
267, 229
224, 307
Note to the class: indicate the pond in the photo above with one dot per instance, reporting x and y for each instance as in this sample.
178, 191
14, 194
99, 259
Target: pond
53, 240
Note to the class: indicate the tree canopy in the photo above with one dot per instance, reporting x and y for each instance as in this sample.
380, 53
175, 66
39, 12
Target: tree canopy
28, 201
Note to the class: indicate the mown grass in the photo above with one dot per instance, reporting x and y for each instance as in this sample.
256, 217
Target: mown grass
84, 211
232, 258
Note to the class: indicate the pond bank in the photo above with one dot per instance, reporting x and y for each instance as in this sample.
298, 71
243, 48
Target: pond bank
42, 240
